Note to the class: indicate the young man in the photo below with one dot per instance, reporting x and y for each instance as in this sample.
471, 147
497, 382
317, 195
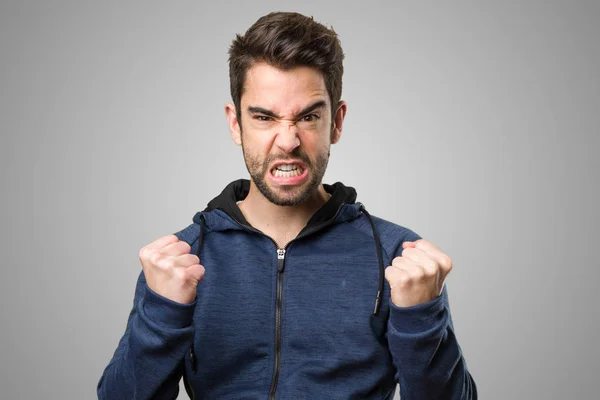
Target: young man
278, 288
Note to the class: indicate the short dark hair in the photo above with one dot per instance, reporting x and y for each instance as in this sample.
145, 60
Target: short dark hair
286, 40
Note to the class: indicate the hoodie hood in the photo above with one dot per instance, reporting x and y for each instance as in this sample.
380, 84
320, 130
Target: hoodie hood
223, 213
332, 210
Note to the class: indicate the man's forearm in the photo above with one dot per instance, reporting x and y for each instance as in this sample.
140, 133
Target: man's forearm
428, 359
148, 361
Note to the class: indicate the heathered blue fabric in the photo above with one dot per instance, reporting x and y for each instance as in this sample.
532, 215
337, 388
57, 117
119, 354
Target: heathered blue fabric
333, 347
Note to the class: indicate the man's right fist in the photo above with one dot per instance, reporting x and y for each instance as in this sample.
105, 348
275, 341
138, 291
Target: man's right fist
170, 269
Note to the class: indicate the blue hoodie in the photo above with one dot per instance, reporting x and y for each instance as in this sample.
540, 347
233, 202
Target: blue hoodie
311, 321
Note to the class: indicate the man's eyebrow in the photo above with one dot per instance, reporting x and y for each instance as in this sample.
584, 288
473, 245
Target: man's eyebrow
312, 107
269, 113
260, 110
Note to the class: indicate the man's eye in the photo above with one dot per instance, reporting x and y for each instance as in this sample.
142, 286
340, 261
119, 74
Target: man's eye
263, 118
310, 118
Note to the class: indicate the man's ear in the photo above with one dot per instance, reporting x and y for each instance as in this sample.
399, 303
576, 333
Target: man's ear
234, 125
338, 122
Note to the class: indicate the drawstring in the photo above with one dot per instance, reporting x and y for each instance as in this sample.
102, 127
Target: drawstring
200, 235
379, 258
377, 244
193, 358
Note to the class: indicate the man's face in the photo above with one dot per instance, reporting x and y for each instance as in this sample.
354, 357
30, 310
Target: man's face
286, 131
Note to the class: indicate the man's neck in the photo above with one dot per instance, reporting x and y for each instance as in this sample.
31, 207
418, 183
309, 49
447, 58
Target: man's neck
281, 223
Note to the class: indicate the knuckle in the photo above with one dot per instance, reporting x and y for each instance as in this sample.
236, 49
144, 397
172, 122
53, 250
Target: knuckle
169, 263
389, 272
196, 273
447, 261
431, 265
185, 246
418, 274
404, 280
393, 276
142, 253
414, 253
154, 256
179, 275
429, 274
195, 269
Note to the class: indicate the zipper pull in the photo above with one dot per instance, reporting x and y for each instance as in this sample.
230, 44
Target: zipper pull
280, 259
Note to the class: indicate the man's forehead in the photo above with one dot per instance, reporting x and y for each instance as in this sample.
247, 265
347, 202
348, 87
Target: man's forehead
283, 90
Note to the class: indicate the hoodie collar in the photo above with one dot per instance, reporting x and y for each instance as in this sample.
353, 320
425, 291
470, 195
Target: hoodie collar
239, 189
340, 207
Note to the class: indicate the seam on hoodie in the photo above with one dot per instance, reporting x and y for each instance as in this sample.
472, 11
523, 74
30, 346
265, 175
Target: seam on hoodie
403, 234
369, 233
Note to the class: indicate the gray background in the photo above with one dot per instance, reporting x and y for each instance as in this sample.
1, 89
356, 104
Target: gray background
475, 124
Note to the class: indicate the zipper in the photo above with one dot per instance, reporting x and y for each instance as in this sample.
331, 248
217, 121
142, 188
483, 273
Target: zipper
279, 293
280, 268
279, 300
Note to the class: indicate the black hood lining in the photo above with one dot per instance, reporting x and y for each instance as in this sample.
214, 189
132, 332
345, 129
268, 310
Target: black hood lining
340, 194
239, 189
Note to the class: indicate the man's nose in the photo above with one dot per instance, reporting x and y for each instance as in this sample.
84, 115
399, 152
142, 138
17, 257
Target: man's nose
287, 136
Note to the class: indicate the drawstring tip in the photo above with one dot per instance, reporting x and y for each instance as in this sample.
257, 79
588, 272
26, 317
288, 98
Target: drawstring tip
377, 303
379, 257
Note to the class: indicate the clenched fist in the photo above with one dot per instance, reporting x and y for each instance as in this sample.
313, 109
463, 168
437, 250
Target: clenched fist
418, 275
170, 269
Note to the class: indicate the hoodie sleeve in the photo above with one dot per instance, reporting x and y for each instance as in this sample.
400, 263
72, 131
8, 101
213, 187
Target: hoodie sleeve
428, 359
148, 362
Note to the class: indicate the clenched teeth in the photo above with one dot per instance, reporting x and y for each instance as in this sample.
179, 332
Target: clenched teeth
287, 167
287, 170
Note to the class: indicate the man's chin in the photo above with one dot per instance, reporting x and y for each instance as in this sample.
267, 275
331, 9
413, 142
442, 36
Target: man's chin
287, 196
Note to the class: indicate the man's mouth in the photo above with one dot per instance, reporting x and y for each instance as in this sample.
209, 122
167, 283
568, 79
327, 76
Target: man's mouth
287, 170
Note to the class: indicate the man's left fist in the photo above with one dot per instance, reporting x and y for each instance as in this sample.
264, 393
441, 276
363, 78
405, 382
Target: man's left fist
418, 275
